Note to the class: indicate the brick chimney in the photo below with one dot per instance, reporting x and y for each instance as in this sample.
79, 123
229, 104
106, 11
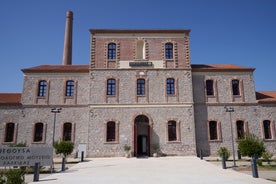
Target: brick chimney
67, 50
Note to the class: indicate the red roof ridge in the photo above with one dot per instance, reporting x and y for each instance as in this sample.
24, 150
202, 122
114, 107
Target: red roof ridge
266, 96
220, 67
82, 68
10, 99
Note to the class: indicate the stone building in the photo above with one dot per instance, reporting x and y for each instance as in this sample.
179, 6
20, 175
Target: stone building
139, 89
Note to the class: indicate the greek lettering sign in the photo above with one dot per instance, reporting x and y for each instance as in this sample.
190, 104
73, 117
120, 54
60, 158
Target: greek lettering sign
25, 156
137, 64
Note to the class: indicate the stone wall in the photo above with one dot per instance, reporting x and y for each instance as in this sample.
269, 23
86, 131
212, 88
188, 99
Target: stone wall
155, 86
246, 110
56, 89
159, 116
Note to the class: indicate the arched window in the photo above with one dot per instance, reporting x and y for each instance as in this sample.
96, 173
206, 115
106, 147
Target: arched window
9, 133
172, 134
70, 85
140, 86
140, 49
235, 87
213, 130
67, 131
267, 129
111, 87
209, 87
240, 129
110, 131
169, 51
111, 51
170, 86
38, 132
42, 88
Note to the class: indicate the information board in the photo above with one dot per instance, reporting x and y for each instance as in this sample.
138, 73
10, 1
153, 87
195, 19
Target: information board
25, 156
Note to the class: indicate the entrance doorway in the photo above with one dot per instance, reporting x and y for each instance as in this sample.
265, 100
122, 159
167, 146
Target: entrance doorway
141, 136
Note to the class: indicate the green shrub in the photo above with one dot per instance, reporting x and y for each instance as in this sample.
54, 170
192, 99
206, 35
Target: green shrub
155, 148
267, 156
224, 152
251, 145
15, 176
259, 162
2, 178
64, 147
127, 148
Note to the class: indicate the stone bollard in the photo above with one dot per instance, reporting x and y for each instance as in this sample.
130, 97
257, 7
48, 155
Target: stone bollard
254, 168
63, 164
82, 156
239, 154
223, 161
36, 172
200, 154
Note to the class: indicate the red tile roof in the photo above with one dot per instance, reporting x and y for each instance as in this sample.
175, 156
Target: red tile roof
219, 67
10, 99
57, 69
266, 97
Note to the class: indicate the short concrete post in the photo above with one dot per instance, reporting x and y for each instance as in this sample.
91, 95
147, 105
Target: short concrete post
36, 172
63, 164
82, 156
239, 154
254, 168
200, 154
223, 161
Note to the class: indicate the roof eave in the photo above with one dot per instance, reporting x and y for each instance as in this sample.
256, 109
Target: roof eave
136, 31
223, 69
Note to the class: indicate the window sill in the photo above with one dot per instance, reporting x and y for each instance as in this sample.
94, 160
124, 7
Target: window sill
171, 95
111, 96
141, 95
69, 97
111, 60
173, 142
112, 142
237, 96
41, 142
215, 141
269, 140
210, 96
7, 143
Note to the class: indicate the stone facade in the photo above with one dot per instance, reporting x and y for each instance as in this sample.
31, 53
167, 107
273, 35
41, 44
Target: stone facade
179, 123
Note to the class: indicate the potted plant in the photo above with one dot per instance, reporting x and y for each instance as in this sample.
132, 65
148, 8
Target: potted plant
223, 152
127, 150
155, 148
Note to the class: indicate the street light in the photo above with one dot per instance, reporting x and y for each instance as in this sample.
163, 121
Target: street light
55, 111
231, 109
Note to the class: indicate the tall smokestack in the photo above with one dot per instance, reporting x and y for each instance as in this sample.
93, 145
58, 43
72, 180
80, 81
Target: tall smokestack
67, 50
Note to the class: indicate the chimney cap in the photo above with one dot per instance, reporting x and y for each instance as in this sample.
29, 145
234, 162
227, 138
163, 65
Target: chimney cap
69, 13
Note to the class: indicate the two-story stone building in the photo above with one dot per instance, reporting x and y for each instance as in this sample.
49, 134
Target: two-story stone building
139, 89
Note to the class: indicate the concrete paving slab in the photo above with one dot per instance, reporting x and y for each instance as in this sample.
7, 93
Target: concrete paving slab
174, 170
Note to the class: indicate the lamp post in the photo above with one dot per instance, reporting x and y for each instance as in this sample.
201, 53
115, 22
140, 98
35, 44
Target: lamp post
55, 111
230, 110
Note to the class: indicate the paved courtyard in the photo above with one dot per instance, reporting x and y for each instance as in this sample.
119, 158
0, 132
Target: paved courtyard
173, 170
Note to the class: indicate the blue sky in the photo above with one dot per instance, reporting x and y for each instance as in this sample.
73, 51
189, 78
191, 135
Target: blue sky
241, 32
